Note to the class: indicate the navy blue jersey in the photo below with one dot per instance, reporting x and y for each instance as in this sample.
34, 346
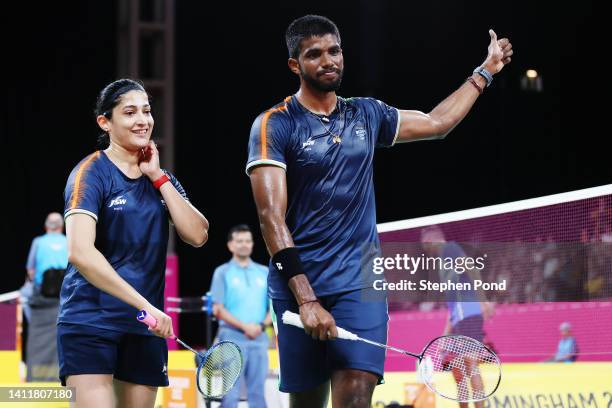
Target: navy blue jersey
131, 233
331, 212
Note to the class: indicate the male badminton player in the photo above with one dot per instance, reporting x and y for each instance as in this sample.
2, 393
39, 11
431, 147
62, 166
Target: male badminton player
310, 163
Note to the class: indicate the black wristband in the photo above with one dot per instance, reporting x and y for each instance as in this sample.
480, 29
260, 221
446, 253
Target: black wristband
287, 262
263, 326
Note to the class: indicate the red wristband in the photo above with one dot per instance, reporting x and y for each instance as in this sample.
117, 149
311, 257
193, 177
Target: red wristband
473, 82
158, 183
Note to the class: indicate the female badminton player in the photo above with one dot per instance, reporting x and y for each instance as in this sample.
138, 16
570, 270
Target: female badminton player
118, 202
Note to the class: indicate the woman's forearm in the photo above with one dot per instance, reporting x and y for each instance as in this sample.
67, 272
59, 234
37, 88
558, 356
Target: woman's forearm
190, 224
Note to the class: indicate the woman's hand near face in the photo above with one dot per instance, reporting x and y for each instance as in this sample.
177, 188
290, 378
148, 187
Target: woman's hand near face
149, 161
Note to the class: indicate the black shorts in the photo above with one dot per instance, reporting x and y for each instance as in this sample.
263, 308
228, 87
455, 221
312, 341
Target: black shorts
471, 326
128, 357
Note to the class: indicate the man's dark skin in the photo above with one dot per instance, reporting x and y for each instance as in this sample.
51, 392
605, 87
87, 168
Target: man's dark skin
319, 66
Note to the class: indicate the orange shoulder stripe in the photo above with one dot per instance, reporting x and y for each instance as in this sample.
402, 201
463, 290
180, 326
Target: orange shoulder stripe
264, 127
77, 191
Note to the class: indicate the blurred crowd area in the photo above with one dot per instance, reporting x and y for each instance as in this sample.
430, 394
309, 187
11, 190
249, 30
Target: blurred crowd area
543, 269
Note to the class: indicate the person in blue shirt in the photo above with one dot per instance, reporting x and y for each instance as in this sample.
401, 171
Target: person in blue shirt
467, 309
118, 205
240, 299
48, 251
310, 162
46, 263
567, 349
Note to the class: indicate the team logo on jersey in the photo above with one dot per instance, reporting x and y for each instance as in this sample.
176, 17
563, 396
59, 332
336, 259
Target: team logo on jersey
117, 201
307, 143
165, 369
279, 266
360, 132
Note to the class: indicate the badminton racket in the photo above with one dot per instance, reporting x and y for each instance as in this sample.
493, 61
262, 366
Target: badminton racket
475, 368
219, 367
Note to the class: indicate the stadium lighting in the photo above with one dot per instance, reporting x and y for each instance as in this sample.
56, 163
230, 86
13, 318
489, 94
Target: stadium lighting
531, 81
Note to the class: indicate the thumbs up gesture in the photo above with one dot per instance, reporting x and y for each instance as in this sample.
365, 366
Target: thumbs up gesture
499, 55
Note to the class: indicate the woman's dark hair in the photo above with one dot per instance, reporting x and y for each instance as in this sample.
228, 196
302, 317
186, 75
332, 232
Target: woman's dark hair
306, 27
110, 97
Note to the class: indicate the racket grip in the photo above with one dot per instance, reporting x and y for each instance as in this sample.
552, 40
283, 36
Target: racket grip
293, 319
346, 335
147, 319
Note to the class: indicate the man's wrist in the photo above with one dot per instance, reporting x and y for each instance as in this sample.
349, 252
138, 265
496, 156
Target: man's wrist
301, 289
486, 71
287, 262
308, 302
479, 80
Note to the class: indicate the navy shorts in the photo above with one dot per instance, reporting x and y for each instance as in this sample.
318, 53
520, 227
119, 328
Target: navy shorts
128, 357
471, 326
306, 363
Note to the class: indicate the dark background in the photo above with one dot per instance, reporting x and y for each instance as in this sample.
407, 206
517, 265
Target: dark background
231, 65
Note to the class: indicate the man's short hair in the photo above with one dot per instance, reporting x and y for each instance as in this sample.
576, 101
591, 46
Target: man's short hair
306, 27
237, 228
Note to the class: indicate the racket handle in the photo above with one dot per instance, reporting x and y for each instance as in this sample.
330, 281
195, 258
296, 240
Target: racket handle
293, 319
147, 319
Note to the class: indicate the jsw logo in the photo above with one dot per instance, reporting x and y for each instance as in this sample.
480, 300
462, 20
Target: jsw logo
309, 142
118, 201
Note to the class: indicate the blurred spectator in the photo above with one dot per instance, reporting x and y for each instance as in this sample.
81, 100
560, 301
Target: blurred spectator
601, 218
240, 296
46, 264
599, 271
567, 350
467, 310
48, 257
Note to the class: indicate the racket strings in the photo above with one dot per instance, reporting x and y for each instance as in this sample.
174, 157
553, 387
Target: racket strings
220, 370
476, 370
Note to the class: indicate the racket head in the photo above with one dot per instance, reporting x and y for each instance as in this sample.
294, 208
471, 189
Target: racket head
219, 369
475, 370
